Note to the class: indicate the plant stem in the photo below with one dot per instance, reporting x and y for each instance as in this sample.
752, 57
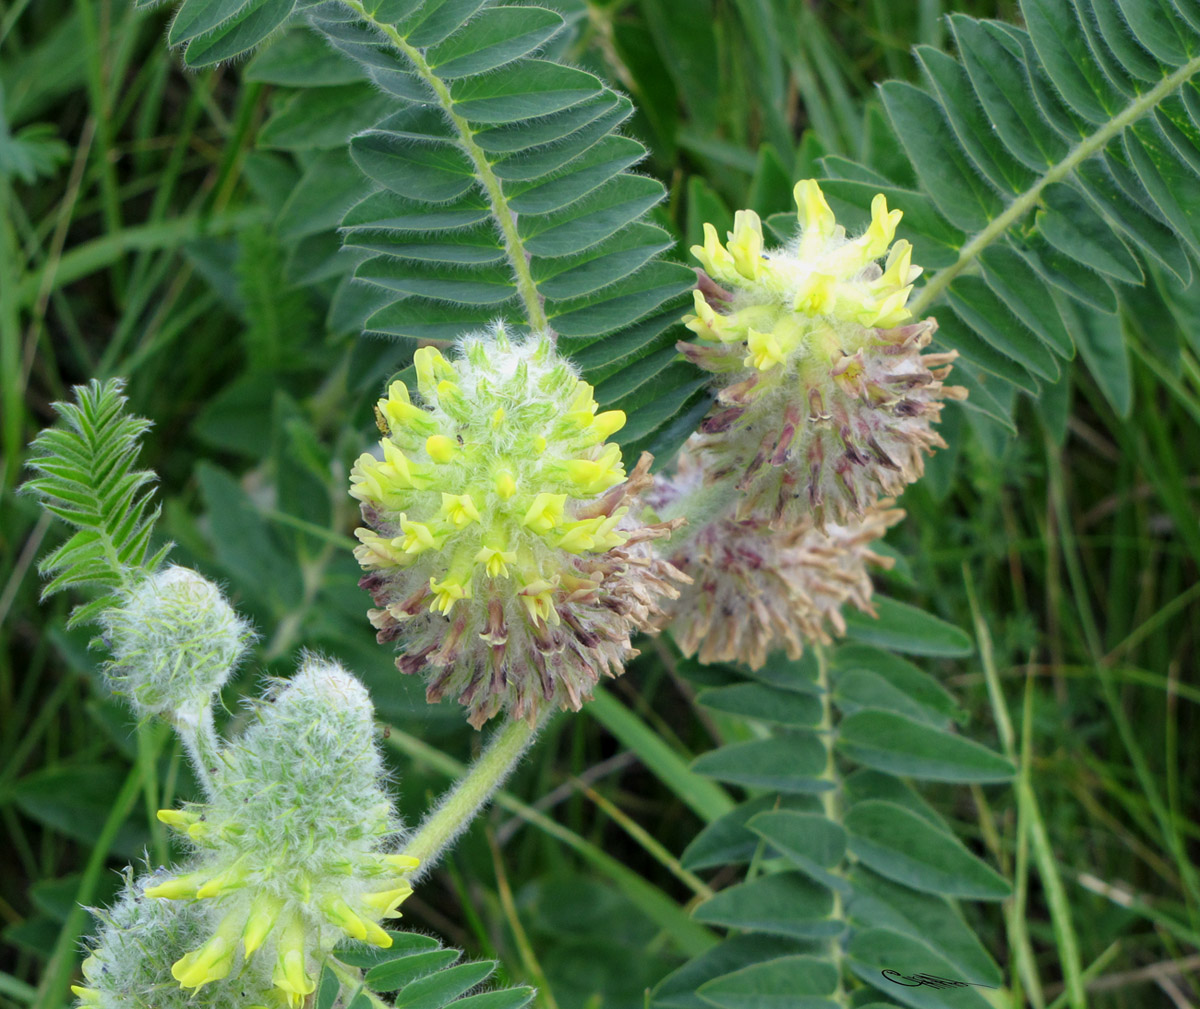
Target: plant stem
831, 803
199, 737
470, 793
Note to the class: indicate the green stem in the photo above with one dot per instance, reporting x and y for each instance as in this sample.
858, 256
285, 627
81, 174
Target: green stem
690, 936
831, 803
198, 734
352, 983
514, 248
470, 793
1086, 148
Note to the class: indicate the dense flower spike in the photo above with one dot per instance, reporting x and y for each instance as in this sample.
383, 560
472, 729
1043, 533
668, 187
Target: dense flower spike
501, 548
292, 851
174, 641
828, 402
140, 938
756, 589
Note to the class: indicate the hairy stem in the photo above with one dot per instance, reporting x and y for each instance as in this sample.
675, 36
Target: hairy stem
198, 734
514, 248
1086, 148
455, 811
831, 803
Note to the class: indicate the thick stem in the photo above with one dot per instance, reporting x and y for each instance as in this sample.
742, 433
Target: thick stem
454, 813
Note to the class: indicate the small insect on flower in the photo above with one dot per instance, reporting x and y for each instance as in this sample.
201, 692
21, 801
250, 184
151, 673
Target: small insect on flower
500, 543
827, 402
756, 589
294, 851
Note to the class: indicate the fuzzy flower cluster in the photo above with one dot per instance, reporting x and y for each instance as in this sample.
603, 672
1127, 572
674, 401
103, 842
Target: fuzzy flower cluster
755, 589
500, 545
828, 402
174, 641
291, 852
129, 963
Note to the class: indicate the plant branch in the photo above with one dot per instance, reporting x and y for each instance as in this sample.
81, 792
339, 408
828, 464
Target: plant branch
1086, 148
454, 813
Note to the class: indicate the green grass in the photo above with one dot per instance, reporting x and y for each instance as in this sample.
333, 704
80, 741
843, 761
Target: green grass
150, 252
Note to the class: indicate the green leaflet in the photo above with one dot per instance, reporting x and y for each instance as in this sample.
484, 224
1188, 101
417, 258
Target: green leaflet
523, 168
862, 863
424, 975
84, 475
494, 182
1051, 160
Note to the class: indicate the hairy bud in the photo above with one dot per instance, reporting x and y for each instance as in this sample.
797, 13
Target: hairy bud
292, 851
827, 402
174, 641
501, 546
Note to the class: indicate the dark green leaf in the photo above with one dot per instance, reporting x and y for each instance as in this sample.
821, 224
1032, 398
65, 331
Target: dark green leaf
898, 745
756, 700
1062, 46
905, 628
497, 36
1016, 284
810, 841
874, 950
785, 903
520, 91
941, 165
1074, 228
437, 990
391, 975
727, 840
976, 304
902, 846
785, 763
775, 984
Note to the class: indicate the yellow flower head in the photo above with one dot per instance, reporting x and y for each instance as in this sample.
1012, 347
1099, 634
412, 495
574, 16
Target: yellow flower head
826, 402
291, 851
486, 502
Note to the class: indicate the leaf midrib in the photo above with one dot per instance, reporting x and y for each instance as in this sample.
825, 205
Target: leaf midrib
514, 247
1086, 148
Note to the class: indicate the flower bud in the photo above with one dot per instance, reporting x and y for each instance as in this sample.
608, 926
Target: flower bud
500, 543
826, 402
294, 851
174, 641
756, 589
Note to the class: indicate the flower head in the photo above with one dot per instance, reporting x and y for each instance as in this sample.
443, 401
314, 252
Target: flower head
827, 401
500, 544
174, 640
292, 850
140, 938
755, 589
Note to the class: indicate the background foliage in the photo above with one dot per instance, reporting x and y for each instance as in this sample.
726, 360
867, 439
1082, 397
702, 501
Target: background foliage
179, 228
